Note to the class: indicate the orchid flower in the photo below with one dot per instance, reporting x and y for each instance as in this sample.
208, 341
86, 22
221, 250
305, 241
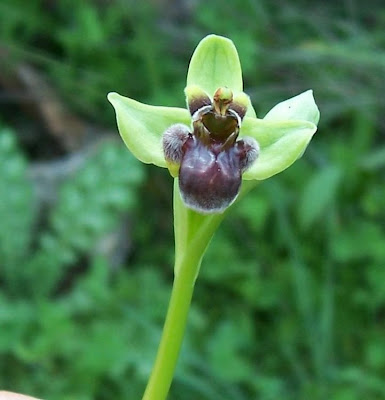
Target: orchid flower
216, 150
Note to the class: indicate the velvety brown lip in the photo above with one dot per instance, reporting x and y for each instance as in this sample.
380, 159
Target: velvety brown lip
211, 158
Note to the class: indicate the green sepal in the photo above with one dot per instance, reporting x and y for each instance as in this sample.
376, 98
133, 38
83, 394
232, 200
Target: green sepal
214, 64
141, 126
300, 107
281, 143
283, 134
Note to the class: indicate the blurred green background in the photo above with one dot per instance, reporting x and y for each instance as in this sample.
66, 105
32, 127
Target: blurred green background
290, 303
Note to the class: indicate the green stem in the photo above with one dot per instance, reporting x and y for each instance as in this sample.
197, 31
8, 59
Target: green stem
173, 331
193, 233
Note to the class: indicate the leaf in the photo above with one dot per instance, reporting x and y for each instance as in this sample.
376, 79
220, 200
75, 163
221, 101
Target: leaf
141, 126
318, 195
301, 107
281, 144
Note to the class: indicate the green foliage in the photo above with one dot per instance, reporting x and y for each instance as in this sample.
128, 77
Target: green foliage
100, 45
317, 196
89, 207
307, 270
16, 206
68, 332
290, 300
64, 345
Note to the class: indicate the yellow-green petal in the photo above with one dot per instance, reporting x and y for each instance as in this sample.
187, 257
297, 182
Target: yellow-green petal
141, 126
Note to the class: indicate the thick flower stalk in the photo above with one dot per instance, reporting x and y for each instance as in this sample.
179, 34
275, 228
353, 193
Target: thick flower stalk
217, 150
